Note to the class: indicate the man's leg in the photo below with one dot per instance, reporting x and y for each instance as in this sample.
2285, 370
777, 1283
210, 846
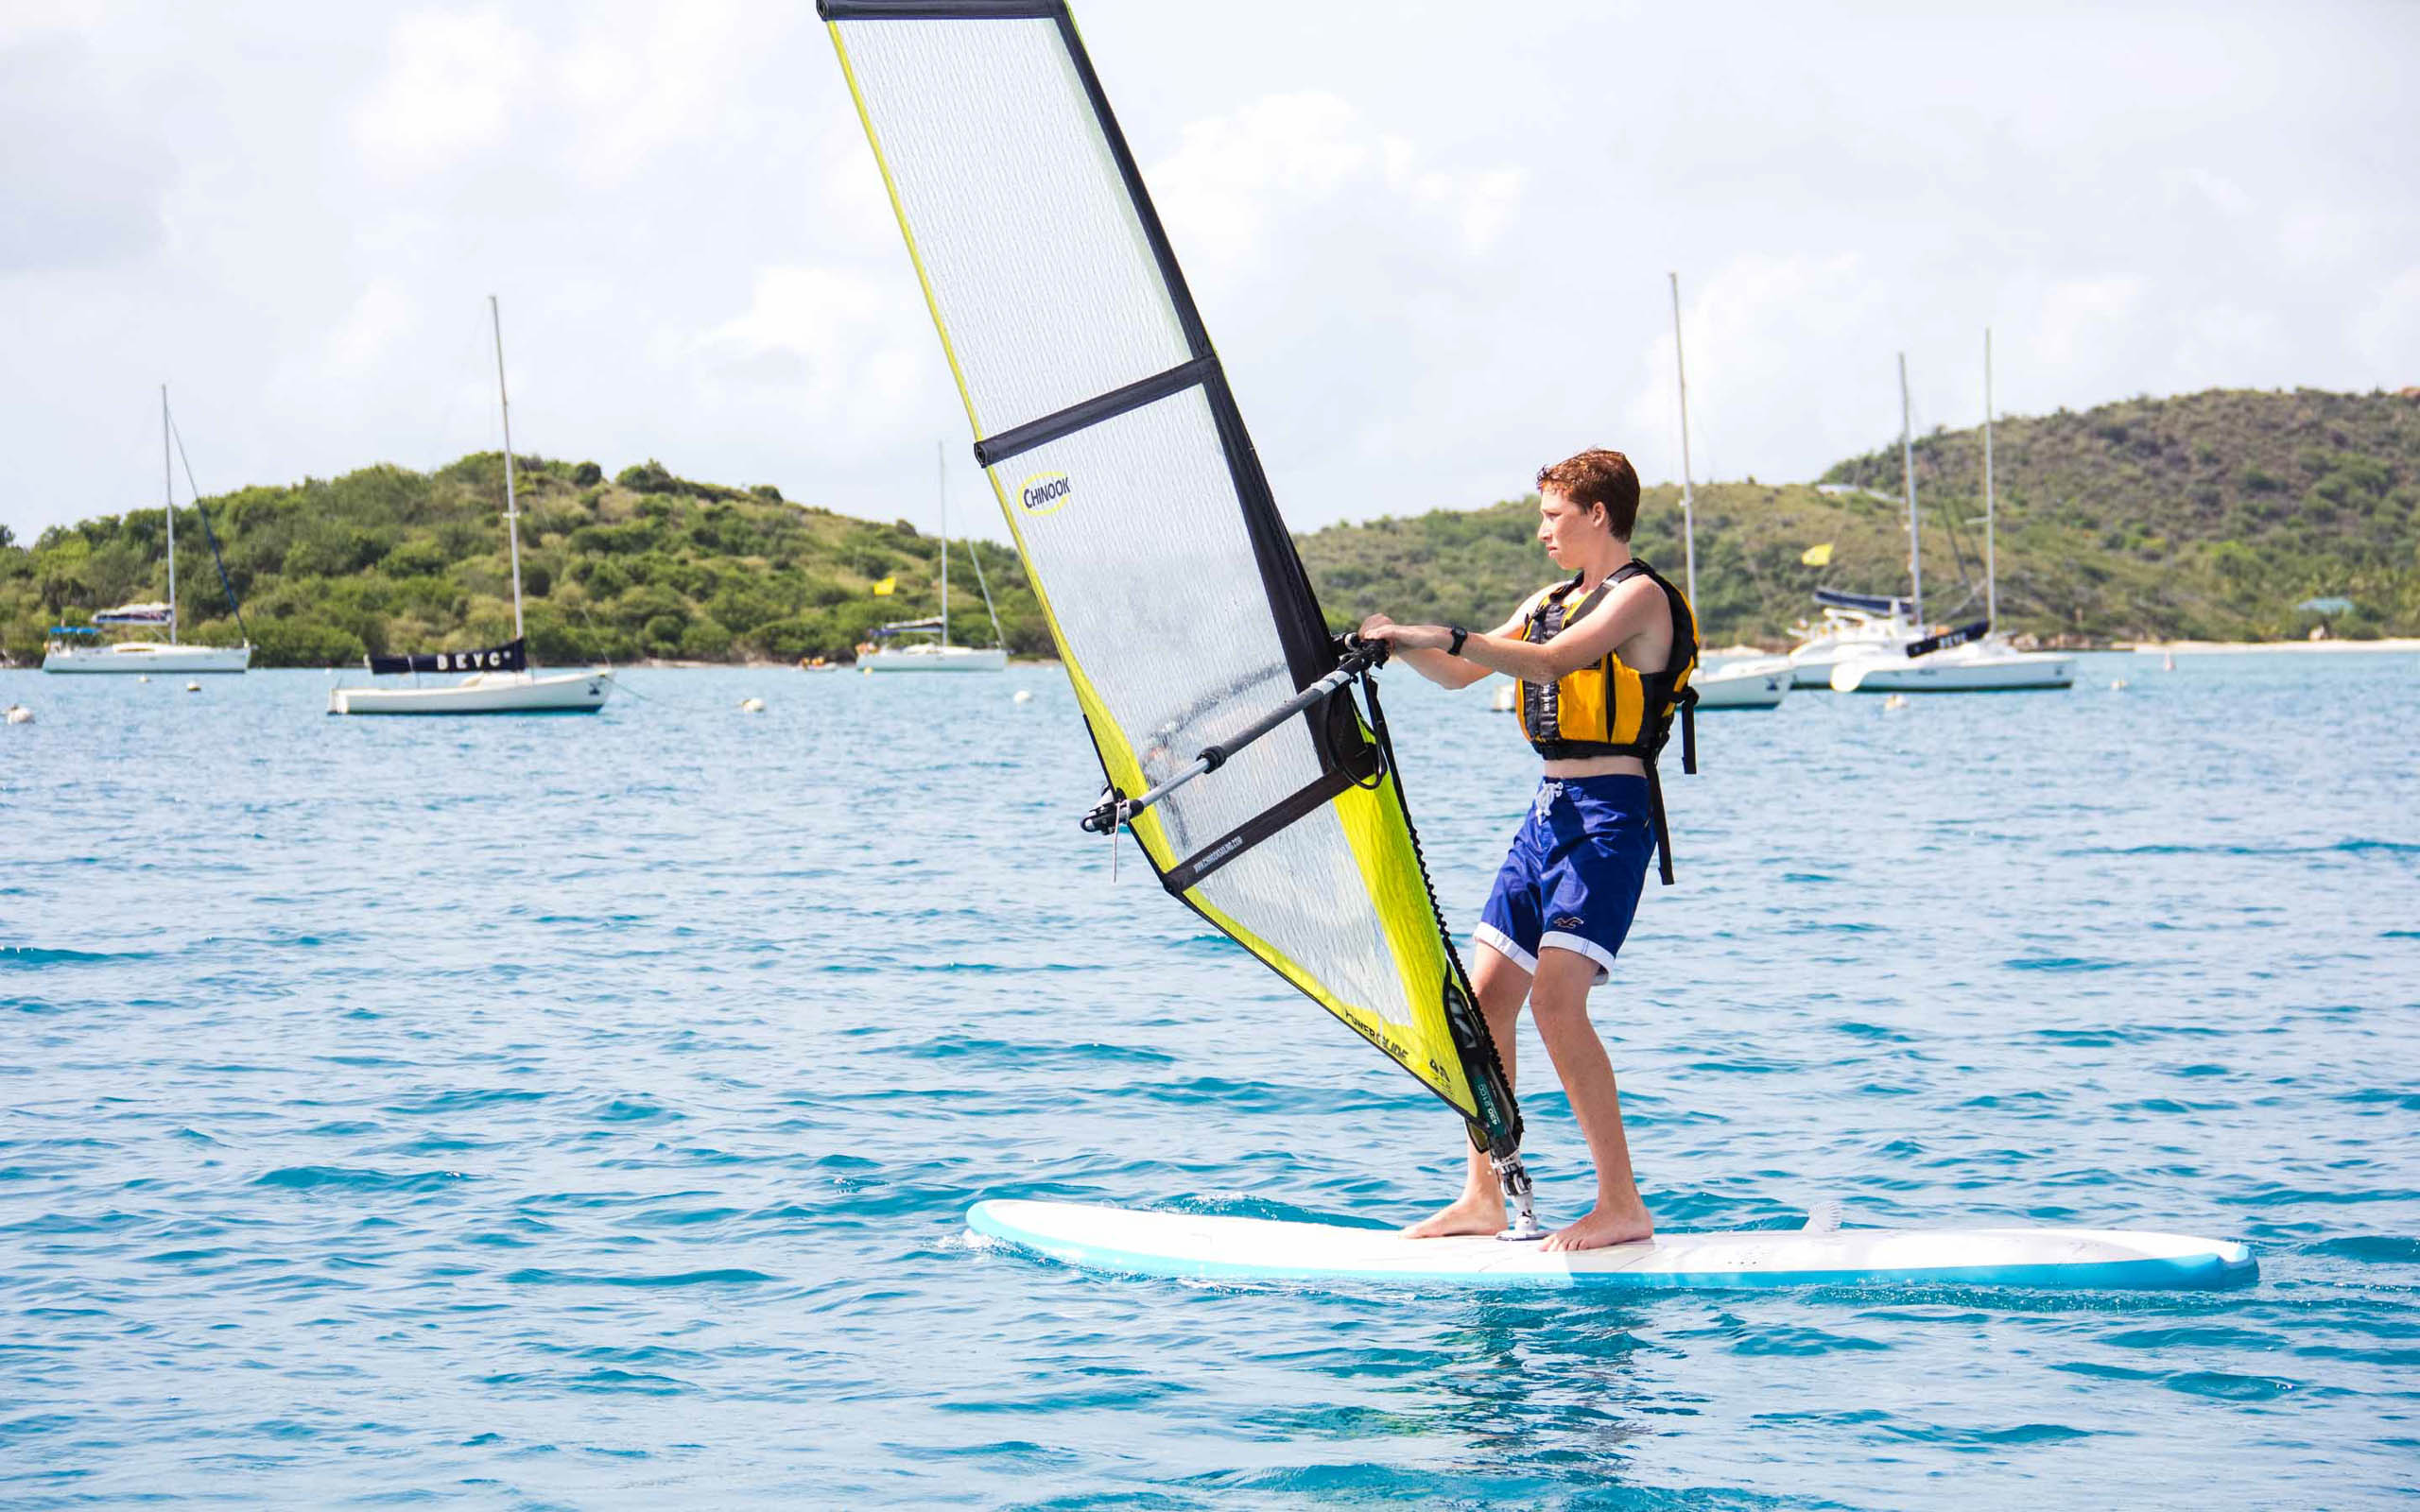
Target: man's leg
1501, 986
1559, 1002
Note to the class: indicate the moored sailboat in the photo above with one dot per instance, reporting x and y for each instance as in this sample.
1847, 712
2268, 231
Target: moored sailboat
1973, 659
1756, 682
939, 655
77, 648
500, 681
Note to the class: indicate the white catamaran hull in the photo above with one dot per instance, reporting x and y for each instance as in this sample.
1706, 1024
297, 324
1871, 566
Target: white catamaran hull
1811, 665
1760, 684
486, 693
1948, 672
146, 656
936, 658
1198, 1246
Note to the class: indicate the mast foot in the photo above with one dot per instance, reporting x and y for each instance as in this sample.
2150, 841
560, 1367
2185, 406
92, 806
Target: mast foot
1519, 1207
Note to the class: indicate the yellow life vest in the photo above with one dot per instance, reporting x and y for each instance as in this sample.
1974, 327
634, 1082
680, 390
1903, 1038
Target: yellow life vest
1610, 708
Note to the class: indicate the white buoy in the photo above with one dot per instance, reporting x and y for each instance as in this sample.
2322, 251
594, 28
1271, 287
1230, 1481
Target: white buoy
144, 678
751, 706
1023, 696
1501, 700
2119, 686
20, 715
193, 687
1897, 700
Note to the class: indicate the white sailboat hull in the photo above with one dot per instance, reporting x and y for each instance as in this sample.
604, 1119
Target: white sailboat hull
486, 693
936, 658
1993, 671
146, 656
1760, 684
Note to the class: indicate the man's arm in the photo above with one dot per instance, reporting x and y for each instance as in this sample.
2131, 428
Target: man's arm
1629, 610
1433, 661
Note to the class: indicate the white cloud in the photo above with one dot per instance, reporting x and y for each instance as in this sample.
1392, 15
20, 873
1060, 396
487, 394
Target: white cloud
368, 334
1236, 182
828, 346
1233, 174
644, 83
2079, 318
449, 87
2388, 332
1763, 326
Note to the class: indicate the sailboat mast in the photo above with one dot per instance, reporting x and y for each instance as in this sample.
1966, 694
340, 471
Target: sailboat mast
1907, 472
1991, 563
511, 498
941, 487
1688, 493
168, 495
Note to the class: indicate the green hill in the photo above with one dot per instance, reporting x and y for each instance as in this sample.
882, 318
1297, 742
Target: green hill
387, 559
2207, 516
2210, 516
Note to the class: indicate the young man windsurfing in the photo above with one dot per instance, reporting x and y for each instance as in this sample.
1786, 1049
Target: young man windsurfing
1603, 658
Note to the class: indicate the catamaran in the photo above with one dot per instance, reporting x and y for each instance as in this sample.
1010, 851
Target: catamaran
500, 682
939, 655
1244, 746
1853, 624
1974, 658
78, 648
1753, 682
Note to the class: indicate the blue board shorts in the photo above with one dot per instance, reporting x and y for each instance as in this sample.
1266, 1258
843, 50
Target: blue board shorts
1573, 877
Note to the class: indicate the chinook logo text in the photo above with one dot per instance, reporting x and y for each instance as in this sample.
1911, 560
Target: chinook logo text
1044, 493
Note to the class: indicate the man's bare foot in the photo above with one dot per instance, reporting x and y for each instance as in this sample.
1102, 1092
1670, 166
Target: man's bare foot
1468, 1216
1599, 1228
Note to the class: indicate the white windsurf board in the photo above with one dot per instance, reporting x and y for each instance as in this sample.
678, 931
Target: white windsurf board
1213, 1248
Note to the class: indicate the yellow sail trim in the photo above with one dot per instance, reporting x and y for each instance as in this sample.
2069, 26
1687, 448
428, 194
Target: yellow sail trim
1391, 870
899, 213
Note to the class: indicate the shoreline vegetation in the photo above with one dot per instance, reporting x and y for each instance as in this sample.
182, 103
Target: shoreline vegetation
2231, 520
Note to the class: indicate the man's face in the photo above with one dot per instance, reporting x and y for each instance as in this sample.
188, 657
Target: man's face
1565, 527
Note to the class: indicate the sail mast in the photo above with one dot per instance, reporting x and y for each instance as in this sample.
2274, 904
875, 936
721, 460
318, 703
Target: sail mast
940, 488
512, 499
168, 496
1907, 472
1990, 562
1688, 495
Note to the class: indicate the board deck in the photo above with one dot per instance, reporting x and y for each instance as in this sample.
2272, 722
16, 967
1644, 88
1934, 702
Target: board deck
1221, 1248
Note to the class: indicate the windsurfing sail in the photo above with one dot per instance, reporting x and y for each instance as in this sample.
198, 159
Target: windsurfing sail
1181, 611
512, 656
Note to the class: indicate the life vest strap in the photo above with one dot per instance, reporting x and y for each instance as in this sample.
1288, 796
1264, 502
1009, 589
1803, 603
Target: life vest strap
1662, 826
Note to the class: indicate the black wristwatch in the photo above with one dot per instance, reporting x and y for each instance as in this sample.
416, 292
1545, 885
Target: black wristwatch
1455, 647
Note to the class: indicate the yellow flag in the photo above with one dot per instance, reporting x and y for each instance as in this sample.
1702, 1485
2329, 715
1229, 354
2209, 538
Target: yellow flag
887, 587
1816, 555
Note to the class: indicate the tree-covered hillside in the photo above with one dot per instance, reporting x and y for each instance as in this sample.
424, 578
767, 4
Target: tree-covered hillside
2207, 516
387, 559
2211, 515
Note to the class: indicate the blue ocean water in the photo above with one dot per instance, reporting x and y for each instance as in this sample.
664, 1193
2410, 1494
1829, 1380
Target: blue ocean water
581, 1112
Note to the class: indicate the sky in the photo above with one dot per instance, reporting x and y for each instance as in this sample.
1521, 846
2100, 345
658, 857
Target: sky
1430, 241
